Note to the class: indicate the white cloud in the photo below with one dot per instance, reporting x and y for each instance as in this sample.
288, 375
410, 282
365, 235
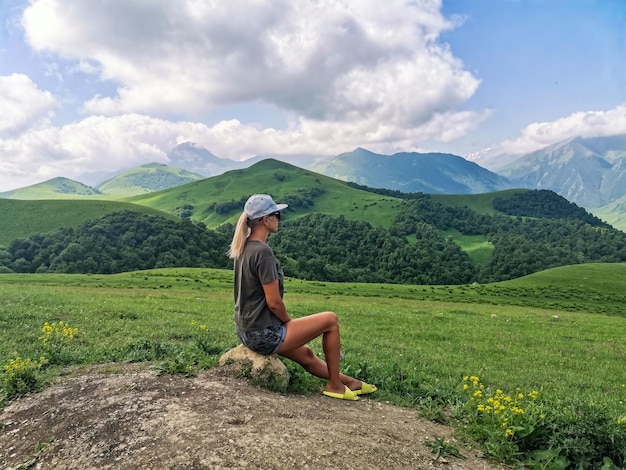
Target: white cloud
583, 124
321, 60
23, 105
344, 73
109, 143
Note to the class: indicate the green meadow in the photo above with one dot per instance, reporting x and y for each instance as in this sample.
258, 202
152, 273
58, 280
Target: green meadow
22, 218
557, 335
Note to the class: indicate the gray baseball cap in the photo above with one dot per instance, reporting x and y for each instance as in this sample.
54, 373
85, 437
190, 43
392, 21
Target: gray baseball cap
259, 205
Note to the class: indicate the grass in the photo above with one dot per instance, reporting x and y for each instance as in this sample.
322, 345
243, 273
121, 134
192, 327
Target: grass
23, 218
559, 332
477, 247
481, 203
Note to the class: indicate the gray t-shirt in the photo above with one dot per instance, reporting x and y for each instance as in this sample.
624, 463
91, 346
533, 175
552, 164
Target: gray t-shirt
257, 266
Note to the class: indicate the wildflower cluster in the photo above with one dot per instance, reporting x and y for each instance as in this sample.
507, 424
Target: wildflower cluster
502, 421
199, 326
20, 376
204, 339
55, 336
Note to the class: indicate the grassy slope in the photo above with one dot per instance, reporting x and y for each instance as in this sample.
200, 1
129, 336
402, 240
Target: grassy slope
476, 246
124, 183
614, 213
607, 279
481, 203
20, 219
55, 188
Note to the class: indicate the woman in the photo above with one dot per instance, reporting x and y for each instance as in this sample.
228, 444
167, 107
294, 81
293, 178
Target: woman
263, 324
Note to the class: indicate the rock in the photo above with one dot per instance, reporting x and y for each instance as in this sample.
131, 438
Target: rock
266, 370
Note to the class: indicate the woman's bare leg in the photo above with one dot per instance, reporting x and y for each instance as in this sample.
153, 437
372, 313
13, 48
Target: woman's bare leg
302, 330
316, 366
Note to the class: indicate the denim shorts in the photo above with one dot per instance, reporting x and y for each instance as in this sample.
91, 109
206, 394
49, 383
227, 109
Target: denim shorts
265, 341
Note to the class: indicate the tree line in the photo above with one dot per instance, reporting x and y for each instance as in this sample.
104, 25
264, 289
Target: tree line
118, 242
552, 232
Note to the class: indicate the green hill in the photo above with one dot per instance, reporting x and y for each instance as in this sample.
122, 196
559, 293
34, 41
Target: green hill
220, 199
21, 219
146, 179
601, 278
55, 188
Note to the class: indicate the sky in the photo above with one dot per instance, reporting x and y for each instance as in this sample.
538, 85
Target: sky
90, 87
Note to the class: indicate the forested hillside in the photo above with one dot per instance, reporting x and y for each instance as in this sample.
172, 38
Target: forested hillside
413, 250
523, 245
118, 242
325, 247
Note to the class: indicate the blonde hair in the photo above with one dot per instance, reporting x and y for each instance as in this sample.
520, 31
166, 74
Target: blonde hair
242, 232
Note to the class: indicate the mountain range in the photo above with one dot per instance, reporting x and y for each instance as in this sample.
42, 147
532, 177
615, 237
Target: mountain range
590, 172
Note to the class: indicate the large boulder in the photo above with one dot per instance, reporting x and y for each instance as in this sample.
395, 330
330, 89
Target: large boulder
264, 370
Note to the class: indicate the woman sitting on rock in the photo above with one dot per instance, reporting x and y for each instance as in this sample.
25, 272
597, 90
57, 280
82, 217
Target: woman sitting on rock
263, 324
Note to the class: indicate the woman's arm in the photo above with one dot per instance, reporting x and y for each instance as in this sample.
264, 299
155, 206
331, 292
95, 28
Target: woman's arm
275, 302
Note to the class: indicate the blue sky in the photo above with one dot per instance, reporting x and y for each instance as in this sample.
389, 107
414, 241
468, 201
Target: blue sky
93, 86
540, 60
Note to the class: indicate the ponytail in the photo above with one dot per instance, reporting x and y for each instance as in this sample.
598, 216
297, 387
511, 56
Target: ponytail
242, 231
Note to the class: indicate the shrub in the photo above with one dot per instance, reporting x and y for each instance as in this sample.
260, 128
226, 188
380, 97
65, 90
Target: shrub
21, 376
56, 337
518, 427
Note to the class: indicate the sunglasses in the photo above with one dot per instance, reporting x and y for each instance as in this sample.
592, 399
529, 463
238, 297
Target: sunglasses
276, 214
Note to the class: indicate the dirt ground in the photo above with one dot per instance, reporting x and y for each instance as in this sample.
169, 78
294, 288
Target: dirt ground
126, 417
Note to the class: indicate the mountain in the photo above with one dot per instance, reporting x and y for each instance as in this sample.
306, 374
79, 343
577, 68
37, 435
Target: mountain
613, 213
488, 158
433, 173
147, 178
408, 172
55, 188
199, 160
308, 161
612, 148
589, 172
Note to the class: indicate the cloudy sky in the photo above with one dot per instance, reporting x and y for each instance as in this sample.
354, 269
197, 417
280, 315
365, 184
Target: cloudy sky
89, 86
